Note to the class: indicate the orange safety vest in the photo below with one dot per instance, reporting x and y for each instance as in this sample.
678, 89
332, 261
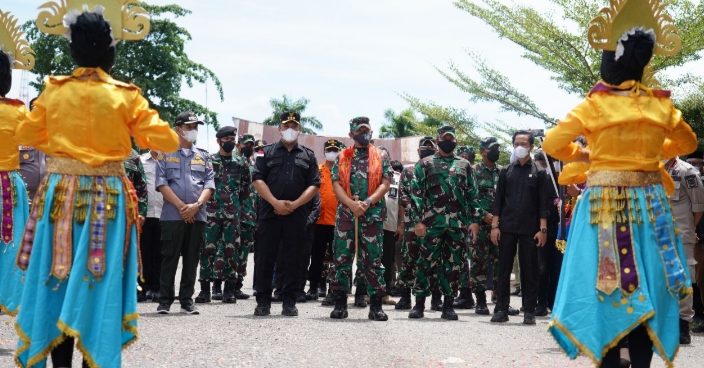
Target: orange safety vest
328, 199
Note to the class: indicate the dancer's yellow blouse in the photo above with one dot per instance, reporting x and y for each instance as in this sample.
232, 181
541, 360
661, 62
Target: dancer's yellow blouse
90, 117
12, 113
628, 130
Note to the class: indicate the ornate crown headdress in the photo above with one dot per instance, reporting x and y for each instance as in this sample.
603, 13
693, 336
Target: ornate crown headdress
11, 43
128, 20
621, 16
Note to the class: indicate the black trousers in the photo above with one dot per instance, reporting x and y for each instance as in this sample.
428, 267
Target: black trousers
528, 259
640, 348
323, 236
549, 266
62, 355
284, 236
180, 239
150, 246
388, 259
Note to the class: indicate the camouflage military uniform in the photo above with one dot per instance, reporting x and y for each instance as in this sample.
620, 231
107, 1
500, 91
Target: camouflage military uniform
135, 172
248, 225
483, 251
371, 230
223, 247
443, 195
410, 249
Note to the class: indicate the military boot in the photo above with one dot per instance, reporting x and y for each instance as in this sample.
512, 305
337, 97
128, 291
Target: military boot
359, 298
436, 301
417, 311
481, 304
340, 311
405, 301
329, 299
448, 312
375, 311
465, 301
685, 337
228, 295
217, 290
204, 295
238, 291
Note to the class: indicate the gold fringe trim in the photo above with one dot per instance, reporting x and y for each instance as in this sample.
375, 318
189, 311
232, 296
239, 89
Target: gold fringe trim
7, 311
613, 178
42, 354
658, 346
61, 165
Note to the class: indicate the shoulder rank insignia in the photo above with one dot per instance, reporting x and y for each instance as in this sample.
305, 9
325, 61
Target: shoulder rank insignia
691, 181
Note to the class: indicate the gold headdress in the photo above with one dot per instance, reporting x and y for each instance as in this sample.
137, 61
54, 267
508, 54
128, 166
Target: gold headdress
128, 20
622, 16
11, 43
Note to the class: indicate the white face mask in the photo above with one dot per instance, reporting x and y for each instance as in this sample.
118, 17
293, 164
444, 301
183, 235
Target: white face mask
190, 135
290, 135
331, 156
521, 152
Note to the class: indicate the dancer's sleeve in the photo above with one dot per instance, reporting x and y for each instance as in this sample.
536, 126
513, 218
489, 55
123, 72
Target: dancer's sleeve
32, 129
558, 141
148, 130
681, 140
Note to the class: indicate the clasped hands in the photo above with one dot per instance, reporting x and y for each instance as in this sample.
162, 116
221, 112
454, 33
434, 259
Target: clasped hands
188, 212
284, 207
421, 230
358, 208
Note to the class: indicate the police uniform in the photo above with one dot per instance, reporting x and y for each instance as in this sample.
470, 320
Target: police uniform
32, 168
287, 174
188, 173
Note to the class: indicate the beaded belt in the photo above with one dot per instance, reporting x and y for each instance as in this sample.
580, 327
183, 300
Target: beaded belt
70, 166
609, 178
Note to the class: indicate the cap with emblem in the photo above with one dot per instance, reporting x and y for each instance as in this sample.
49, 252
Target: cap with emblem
425, 140
226, 131
247, 138
446, 129
359, 122
259, 143
188, 117
465, 149
290, 116
333, 143
489, 143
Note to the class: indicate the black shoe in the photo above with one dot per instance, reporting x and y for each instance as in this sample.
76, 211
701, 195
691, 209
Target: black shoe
141, 296
699, 328
405, 301
375, 311
528, 319
228, 295
685, 337
312, 294
448, 312
276, 298
329, 300
513, 311
301, 298
322, 291
289, 309
499, 316
465, 300
516, 291
397, 291
217, 290
436, 302
204, 295
541, 311
359, 301
340, 311
481, 304
189, 308
163, 308
155, 296
417, 311
239, 294
262, 309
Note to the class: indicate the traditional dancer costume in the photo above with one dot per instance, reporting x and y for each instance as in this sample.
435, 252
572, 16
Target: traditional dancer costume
14, 54
80, 246
624, 268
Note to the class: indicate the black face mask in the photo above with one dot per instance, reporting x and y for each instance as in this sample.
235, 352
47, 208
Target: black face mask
228, 146
493, 155
447, 146
363, 139
247, 151
425, 152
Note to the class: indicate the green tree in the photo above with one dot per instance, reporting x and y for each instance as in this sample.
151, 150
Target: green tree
157, 64
309, 124
397, 126
692, 106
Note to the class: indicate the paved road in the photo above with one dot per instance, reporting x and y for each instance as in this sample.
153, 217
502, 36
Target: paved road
226, 335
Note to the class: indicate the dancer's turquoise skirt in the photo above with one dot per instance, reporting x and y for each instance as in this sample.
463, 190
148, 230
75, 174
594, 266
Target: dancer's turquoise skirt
10, 275
97, 306
599, 301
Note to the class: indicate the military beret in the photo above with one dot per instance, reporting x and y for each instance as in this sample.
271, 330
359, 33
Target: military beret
489, 142
333, 143
290, 116
358, 122
225, 131
696, 154
247, 138
188, 117
446, 129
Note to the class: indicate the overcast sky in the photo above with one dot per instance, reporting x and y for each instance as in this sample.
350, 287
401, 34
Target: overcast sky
349, 58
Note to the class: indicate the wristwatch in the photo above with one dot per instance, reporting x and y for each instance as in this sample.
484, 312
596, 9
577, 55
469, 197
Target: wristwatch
200, 204
368, 201
543, 230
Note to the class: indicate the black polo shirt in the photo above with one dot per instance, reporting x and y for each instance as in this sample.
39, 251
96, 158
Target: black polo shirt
287, 174
522, 198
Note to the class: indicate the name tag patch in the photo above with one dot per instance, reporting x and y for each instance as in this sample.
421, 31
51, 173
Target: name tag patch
197, 162
173, 159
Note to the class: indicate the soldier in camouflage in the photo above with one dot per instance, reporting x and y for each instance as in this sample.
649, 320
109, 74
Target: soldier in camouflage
485, 254
360, 178
465, 300
135, 172
223, 247
467, 153
409, 247
444, 200
250, 218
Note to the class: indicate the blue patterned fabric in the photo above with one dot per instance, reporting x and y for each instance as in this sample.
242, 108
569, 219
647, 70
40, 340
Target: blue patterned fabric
11, 276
